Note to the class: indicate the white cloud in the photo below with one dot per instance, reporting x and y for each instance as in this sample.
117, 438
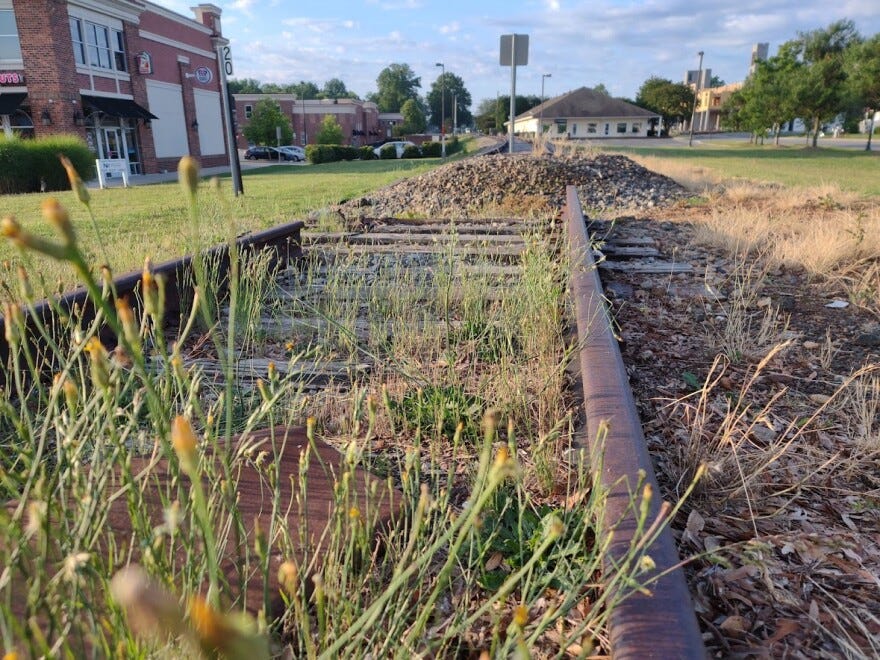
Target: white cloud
450, 28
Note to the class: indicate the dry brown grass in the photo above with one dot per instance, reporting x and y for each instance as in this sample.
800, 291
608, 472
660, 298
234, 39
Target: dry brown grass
691, 177
829, 233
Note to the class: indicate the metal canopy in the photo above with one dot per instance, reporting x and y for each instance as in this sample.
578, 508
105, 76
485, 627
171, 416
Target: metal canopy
123, 108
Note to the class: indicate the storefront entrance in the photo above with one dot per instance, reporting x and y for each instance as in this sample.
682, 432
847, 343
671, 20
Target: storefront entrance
114, 141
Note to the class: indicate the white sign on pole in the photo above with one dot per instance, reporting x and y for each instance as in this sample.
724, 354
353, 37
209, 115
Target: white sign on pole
227, 60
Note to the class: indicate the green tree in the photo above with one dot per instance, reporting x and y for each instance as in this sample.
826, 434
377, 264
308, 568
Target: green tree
521, 105
244, 86
335, 89
715, 81
262, 129
766, 100
273, 88
396, 84
819, 89
304, 90
330, 131
863, 67
672, 101
601, 89
449, 86
413, 117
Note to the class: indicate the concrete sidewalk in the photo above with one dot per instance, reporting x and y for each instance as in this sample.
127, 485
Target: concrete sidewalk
171, 175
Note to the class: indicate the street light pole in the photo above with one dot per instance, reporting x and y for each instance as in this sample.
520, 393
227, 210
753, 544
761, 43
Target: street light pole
544, 76
442, 108
696, 91
455, 114
305, 136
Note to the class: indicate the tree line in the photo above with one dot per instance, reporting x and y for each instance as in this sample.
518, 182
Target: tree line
817, 77
397, 90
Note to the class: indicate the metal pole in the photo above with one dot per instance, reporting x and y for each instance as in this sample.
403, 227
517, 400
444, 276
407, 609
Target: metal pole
454, 114
544, 76
305, 134
231, 147
442, 108
512, 89
696, 91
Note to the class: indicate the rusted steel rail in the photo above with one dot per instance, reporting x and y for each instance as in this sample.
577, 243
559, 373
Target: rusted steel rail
662, 624
284, 241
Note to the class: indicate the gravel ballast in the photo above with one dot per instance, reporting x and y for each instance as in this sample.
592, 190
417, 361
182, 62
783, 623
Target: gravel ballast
463, 188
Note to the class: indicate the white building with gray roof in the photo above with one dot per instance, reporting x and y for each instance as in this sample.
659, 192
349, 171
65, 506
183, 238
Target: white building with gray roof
586, 113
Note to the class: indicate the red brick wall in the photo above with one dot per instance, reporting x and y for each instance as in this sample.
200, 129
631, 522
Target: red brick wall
315, 113
50, 70
53, 83
134, 46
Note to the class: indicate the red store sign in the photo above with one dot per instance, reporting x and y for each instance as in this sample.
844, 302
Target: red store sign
11, 78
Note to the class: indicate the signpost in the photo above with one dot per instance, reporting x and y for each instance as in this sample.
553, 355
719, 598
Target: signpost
224, 61
514, 51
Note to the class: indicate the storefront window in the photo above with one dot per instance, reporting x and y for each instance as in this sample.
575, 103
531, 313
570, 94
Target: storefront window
18, 124
98, 46
10, 47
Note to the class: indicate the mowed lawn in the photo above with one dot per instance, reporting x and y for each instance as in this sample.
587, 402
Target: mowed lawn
851, 169
154, 220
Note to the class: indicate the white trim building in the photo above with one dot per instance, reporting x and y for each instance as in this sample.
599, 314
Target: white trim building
586, 113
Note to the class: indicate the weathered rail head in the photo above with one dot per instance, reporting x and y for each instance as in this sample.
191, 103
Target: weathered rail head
662, 624
284, 241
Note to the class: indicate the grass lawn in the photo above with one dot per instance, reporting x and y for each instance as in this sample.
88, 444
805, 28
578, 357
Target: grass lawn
153, 220
851, 169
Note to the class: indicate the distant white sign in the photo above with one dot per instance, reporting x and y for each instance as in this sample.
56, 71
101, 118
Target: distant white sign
112, 168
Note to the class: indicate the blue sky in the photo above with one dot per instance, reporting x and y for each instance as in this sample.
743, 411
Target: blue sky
619, 43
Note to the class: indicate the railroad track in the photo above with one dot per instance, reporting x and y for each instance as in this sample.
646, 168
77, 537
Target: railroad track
324, 306
357, 269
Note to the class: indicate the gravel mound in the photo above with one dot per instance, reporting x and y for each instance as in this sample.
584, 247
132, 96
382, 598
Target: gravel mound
464, 187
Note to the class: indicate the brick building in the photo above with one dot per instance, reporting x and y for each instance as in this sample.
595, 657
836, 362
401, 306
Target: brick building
359, 119
133, 79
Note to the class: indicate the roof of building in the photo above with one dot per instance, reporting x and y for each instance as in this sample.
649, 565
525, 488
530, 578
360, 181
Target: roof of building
585, 102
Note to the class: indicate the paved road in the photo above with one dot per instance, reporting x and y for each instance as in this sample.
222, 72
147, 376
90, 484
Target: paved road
709, 141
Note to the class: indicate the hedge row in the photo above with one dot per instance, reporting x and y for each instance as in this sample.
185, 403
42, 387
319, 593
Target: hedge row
33, 165
330, 153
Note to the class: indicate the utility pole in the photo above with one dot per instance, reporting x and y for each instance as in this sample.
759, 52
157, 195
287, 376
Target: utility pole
544, 77
696, 97
442, 108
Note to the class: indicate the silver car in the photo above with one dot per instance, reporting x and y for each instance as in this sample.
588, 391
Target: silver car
399, 146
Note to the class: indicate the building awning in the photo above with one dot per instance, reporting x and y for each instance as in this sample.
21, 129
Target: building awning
123, 108
9, 102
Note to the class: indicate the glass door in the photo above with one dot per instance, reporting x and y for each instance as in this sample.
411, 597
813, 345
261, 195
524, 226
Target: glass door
112, 147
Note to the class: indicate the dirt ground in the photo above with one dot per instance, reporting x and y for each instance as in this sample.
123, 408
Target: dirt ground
783, 536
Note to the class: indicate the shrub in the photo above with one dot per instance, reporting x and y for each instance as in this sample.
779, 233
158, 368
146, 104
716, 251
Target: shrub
367, 153
432, 149
330, 153
25, 165
412, 151
388, 152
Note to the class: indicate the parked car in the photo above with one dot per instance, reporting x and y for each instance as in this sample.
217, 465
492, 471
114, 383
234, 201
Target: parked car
399, 146
292, 152
260, 153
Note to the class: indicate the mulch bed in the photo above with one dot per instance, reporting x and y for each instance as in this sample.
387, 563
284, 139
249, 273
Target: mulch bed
790, 566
